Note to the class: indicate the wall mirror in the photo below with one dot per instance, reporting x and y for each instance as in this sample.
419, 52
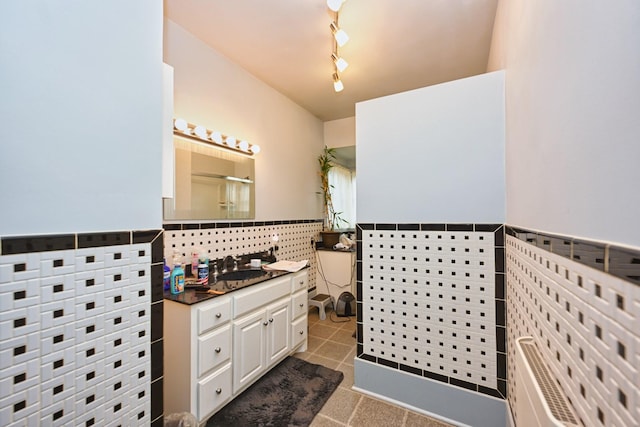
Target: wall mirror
210, 183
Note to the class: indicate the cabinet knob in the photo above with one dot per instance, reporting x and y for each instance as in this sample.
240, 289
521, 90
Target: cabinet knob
218, 315
301, 332
301, 282
218, 390
271, 320
301, 304
265, 323
218, 350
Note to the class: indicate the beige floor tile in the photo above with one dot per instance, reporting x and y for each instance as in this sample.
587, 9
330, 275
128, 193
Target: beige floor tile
322, 421
341, 405
376, 413
319, 360
314, 343
333, 350
304, 356
343, 336
322, 331
347, 370
350, 357
417, 420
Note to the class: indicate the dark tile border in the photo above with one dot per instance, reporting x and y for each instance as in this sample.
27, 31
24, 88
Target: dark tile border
173, 226
30, 244
618, 261
499, 236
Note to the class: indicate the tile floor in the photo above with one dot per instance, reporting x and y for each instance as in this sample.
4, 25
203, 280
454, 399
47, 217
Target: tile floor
332, 344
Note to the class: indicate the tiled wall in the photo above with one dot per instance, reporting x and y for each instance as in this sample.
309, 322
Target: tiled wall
581, 302
240, 238
81, 329
431, 302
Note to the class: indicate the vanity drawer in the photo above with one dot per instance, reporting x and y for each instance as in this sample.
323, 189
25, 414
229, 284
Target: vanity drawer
213, 392
299, 303
247, 300
298, 331
213, 314
299, 282
214, 349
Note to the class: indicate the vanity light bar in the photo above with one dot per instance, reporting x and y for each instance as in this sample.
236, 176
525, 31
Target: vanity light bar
201, 134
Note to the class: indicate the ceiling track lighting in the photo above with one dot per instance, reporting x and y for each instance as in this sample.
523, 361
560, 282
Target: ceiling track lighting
214, 138
340, 37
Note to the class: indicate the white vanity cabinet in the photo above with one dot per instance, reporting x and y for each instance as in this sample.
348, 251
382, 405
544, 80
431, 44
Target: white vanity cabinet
197, 356
215, 349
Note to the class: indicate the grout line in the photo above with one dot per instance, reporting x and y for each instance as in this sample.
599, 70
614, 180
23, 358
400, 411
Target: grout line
405, 417
353, 413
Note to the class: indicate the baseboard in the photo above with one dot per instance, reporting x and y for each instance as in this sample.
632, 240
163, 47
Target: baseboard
438, 400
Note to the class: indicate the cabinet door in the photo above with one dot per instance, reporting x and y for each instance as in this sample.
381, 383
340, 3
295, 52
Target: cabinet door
248, 348
278, 340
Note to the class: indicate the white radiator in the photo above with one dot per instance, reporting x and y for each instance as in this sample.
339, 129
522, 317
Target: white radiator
539, 399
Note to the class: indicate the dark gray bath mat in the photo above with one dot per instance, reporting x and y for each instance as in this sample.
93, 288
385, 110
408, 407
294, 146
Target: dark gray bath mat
291, 394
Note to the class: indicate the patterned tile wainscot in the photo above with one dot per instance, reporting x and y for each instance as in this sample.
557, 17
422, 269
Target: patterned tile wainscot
81, 329
431, 302
240, 238
581, 303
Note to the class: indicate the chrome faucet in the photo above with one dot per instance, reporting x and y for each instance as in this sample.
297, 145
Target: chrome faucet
224, 263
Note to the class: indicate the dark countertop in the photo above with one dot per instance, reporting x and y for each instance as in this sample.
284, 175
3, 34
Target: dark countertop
348, 250
191, 296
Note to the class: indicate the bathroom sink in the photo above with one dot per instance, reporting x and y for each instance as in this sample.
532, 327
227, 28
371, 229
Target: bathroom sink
242, 275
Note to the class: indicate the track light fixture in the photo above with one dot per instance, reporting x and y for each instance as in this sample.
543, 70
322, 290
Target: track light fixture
337, 83
341, 37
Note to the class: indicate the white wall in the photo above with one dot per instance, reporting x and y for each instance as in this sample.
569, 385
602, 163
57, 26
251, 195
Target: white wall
214, 92
340, 133
573, 109
81, 106
434, 154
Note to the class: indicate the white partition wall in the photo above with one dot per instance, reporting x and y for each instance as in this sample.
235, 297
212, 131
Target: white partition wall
431, 309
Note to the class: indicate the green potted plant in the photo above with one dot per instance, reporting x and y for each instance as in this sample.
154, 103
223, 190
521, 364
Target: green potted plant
332, 219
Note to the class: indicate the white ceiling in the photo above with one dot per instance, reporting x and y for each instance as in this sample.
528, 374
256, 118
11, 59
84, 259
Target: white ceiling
394, 46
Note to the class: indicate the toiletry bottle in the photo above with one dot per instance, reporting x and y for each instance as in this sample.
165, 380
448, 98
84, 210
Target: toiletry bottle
194, 262
203, 268
177, 277
167, 276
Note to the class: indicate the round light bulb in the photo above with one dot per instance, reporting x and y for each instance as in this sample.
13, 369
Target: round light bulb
216, 137
334, 5
180, 124
243, 145
231, 141
201, 132
255, 149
